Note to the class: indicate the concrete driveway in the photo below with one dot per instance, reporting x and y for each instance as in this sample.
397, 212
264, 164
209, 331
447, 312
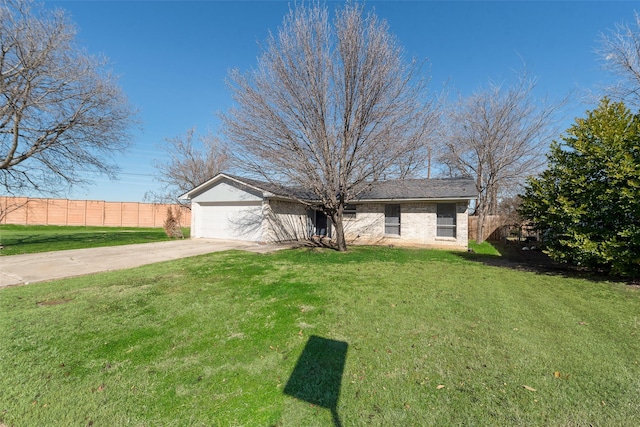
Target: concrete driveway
40, 267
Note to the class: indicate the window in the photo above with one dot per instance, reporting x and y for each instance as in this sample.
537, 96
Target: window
446, 220
349, 212
392, 220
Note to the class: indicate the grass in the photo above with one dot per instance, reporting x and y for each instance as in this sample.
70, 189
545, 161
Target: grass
20, 239
484, 248
375, 336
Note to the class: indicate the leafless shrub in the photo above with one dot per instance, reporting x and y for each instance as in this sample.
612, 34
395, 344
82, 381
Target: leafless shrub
172, 223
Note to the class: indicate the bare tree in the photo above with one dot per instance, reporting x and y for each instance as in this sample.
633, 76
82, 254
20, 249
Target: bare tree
189, 161
331, 107
620, 53
499, 136
61, 113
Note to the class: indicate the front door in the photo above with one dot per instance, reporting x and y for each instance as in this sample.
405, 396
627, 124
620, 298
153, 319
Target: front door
321, 224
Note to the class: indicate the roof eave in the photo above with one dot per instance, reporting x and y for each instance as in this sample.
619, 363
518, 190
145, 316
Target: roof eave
190, 194
419, 199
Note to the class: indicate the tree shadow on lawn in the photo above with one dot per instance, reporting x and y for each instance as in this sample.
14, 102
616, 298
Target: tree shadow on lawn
315, 242
513, 257
317, 376
77, 239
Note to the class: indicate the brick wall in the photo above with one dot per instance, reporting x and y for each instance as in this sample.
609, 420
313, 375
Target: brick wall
418, 225
33, 211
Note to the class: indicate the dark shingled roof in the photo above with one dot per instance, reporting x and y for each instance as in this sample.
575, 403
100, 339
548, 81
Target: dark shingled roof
397, 189
410, 189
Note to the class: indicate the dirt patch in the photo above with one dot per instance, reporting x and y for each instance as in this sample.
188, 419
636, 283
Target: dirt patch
635, 283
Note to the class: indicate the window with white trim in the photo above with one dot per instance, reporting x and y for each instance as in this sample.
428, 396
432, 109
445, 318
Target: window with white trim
392, 220
446, 223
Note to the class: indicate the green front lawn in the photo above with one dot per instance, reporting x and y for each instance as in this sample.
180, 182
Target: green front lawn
375, 336
21, 239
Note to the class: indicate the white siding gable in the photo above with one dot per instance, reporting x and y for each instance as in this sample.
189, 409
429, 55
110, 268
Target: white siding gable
225, 192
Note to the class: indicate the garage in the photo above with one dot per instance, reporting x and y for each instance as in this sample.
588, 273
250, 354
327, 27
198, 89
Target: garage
232, 220
226, 208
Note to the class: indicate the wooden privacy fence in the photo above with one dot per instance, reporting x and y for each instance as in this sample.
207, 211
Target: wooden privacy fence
493, 226
33, 211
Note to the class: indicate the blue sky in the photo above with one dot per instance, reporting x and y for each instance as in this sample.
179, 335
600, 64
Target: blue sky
173, 56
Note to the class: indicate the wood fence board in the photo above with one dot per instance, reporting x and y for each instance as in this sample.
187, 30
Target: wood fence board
492, 227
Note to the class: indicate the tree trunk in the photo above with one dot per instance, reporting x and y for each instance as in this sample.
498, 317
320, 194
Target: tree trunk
341, 242
480, 227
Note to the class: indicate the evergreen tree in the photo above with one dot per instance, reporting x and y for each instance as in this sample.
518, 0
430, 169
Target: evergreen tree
587, 201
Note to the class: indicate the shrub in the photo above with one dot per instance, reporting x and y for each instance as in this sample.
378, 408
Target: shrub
587, 202
172, 223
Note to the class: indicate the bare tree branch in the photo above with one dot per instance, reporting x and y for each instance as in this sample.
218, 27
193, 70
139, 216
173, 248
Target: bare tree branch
499, 136
331, 107
61, 113
190, 161
619, 52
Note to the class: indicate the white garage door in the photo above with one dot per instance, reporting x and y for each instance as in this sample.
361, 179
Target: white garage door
233, 221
